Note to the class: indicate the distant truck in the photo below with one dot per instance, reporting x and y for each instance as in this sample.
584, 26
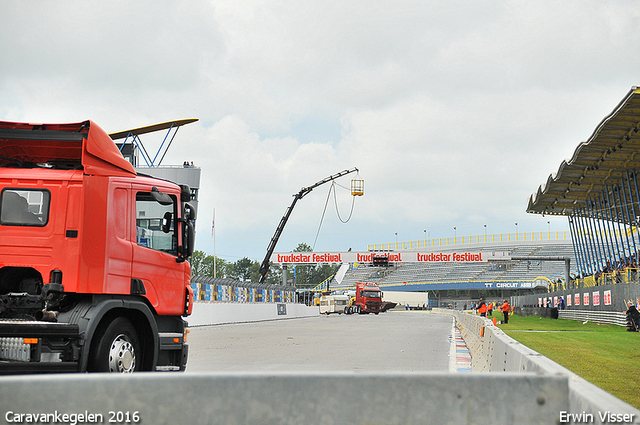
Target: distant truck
368, 299
93, 270
333, 304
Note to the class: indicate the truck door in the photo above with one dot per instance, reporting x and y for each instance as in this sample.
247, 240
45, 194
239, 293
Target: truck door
156, 251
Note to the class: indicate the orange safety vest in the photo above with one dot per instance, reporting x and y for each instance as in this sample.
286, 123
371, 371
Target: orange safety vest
505, 307
482, 309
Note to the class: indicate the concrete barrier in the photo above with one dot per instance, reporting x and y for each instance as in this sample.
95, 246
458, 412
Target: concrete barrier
494, 351
529, 389
217, 313
273, 399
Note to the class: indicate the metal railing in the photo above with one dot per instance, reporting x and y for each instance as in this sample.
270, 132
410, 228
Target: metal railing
602, 317
466, 240
628, 275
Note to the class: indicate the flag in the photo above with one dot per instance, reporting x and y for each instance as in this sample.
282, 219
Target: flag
213, 222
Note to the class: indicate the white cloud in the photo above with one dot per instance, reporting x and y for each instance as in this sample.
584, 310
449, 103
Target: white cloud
454, 112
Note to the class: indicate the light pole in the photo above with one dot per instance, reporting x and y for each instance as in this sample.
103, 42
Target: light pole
516, 231
396, 241
425, 238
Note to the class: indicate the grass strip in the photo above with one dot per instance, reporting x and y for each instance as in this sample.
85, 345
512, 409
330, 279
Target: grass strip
606, 355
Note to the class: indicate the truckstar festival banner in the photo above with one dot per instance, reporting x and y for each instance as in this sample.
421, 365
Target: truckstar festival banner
392, 257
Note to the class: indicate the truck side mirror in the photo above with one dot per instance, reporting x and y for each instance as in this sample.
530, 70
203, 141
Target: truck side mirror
189, 211
166, 222
190, 233
188, 241
185, 193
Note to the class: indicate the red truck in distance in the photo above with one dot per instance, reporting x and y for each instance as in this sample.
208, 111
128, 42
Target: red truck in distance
368, 299
93, 270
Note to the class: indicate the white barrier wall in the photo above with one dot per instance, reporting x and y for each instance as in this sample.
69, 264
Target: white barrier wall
217, 313
494, 351
285, 399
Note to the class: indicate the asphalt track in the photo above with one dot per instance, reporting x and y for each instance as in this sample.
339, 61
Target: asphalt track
394, 341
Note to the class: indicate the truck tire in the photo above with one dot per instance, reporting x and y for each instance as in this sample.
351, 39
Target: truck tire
117, 349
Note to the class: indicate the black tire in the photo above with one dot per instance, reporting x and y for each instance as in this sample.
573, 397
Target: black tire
117, 348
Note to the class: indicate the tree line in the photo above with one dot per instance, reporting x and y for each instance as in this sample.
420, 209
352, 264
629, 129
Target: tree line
247, 270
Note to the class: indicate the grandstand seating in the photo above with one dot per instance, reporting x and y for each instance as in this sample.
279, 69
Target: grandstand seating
511, 270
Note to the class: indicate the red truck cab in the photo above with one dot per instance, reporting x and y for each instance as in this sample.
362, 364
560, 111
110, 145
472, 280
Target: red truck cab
90, 278
368, 298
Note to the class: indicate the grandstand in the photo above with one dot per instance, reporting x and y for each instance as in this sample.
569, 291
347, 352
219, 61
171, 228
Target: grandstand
501, 274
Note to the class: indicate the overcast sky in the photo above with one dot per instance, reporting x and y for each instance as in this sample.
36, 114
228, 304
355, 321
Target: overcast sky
454, 112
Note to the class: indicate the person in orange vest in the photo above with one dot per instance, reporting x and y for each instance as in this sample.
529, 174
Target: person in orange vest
490, 309
505, 311
482, 308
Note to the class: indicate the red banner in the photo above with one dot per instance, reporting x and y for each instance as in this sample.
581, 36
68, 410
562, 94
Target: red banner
392, 257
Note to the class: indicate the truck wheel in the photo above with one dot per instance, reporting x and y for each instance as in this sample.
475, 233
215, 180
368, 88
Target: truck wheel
118, 349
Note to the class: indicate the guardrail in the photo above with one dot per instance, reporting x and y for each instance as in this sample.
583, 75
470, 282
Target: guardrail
494, 351
601, 317
473, 239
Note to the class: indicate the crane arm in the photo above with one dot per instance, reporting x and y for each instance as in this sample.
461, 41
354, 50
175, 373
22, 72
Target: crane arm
264, 267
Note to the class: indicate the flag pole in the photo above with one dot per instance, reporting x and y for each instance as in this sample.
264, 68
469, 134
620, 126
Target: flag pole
213, 234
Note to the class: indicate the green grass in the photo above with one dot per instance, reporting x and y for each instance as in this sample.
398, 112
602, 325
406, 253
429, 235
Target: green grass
606, 355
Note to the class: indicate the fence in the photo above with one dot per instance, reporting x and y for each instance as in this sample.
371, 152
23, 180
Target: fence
613, 297
466, 240
209, 289
601, 317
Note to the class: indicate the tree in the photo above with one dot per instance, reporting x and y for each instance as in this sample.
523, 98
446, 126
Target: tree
245, 269
207, 266
196, 262
241, 269
301, 271
320, 273
311, 275
274, 277
202, 265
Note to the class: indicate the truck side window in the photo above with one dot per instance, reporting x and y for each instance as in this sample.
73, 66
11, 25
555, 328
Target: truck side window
24, 207
151, 232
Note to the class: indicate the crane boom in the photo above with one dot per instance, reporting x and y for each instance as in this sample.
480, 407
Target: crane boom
264, 267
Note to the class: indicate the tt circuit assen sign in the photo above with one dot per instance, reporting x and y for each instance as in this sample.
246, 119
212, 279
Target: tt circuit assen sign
392, 257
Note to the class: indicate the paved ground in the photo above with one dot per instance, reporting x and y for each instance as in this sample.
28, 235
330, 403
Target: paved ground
392, 341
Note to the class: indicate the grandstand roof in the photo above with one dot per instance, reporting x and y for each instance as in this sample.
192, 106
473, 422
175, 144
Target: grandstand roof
603, 160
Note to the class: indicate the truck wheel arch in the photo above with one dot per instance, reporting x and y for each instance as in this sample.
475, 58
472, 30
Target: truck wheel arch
94, 315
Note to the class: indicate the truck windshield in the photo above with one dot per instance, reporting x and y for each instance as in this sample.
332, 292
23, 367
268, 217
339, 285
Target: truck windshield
20, 207
372, 294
